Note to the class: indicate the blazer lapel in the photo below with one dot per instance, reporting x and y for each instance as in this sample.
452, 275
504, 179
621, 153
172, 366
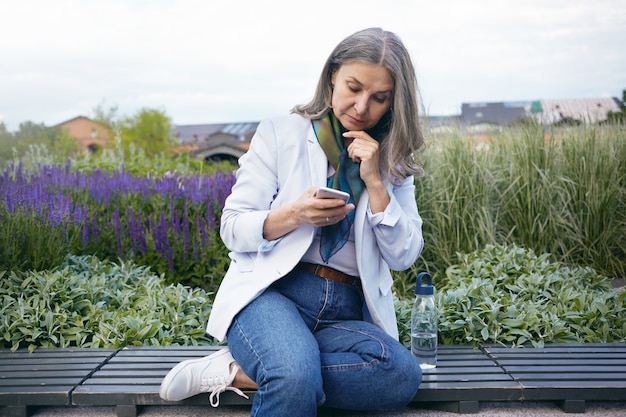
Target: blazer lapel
317, 158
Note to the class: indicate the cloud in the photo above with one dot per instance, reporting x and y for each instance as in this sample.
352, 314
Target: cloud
243, 60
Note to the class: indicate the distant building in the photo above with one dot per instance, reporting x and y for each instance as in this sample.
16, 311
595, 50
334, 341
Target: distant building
216, 142
584, 110
549, 112
90, 135
441, 124
492, 116
498, 114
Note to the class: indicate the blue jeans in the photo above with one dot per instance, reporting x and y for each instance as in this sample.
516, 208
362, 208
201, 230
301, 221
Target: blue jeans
305, 344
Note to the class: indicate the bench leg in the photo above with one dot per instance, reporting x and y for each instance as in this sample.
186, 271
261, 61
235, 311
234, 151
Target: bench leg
126, 410
460, 407
468, 407
573, 406
17, 410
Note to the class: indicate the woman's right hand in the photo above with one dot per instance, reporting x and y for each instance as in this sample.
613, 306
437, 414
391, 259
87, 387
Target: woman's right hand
323, 211
307, 209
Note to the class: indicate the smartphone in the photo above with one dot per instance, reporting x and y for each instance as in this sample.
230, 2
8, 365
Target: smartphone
325, 192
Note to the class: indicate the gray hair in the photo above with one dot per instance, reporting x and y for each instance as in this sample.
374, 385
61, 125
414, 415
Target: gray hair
404, 137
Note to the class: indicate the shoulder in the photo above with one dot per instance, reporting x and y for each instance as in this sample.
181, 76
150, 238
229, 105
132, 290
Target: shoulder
289, 121
280, 127
280, 131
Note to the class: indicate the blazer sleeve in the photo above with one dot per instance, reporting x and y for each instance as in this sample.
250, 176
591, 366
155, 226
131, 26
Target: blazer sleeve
249, 203
399, 232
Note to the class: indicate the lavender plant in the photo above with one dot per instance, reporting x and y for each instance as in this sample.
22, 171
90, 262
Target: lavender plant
168, 222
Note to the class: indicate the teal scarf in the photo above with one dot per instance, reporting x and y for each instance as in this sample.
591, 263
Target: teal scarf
346, 178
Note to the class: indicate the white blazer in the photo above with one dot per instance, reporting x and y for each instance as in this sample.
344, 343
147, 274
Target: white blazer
284, 160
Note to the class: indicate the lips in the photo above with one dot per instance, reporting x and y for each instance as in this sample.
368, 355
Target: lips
355, 121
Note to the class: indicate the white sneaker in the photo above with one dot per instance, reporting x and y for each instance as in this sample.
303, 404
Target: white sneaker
194, 376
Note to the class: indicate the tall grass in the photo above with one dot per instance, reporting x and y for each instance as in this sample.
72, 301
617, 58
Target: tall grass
527, 186
454, 200
554, 191
593, 197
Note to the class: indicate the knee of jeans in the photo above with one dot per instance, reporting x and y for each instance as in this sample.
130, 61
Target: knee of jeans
407, 370
304, 380
412, 373
298, 376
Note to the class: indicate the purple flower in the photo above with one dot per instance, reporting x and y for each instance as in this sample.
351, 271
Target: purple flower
173, 216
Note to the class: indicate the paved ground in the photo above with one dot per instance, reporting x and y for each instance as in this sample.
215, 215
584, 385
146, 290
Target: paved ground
495, 409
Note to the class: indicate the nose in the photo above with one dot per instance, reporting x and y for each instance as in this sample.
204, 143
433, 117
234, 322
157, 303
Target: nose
360, 105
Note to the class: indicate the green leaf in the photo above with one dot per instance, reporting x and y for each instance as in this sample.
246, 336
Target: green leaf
485, 333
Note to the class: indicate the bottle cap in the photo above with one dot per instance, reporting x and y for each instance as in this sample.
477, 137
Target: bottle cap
424, 289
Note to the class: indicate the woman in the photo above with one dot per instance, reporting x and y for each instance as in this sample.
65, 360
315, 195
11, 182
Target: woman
306, 305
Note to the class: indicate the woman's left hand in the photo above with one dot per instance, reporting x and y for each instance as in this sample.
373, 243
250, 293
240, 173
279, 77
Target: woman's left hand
363, 149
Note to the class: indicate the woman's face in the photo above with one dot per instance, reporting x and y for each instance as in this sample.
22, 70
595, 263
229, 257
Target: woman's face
362, 93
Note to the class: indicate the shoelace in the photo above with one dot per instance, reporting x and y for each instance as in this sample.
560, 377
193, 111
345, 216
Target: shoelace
220, 385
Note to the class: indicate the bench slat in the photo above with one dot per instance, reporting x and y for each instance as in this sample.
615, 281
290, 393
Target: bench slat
54, 353
34, 366
590, 377
563, 362
467, 379
13, 378
548, 369
154, 380
462, 370
38, 379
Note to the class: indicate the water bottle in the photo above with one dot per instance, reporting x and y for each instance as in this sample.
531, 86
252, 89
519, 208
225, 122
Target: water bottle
424, 323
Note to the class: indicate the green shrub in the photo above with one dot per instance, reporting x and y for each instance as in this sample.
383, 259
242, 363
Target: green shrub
501, 295
88, 303
510, 296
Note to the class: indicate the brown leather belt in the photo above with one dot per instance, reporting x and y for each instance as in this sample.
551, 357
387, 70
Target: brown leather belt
329, 273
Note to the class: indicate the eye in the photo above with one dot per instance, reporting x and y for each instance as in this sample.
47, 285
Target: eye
380, 99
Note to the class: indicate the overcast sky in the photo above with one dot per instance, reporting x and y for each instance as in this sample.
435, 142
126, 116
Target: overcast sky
206, 61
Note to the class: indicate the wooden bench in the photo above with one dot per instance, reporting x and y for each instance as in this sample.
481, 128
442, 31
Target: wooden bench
46, 377
569, 374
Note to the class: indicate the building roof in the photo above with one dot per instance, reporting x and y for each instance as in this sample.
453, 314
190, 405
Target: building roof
498, 113
216, 142
587, 110
187, 133
74, 119
202, 133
